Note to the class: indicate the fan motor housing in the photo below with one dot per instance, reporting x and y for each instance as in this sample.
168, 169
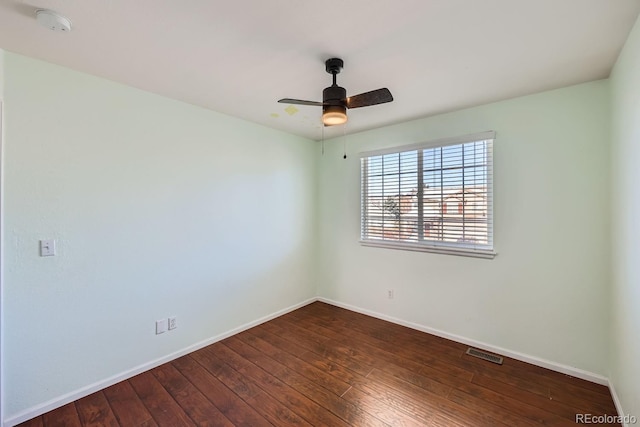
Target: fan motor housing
334, 95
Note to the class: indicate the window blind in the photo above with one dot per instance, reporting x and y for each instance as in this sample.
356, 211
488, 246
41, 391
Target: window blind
435, 196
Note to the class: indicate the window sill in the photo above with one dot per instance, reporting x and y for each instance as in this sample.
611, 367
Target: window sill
474, 253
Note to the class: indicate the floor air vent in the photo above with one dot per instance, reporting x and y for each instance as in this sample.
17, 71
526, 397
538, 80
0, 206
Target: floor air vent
484, 355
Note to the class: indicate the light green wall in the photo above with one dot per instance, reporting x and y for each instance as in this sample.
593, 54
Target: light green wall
545, 294
159, 208
625, 327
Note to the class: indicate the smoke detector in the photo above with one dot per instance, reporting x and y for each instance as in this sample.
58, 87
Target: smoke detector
53, 21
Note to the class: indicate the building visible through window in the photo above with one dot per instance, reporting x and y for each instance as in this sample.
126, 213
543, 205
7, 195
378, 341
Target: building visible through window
435, 197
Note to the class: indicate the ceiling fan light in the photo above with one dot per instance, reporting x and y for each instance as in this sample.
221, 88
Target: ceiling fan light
334, 115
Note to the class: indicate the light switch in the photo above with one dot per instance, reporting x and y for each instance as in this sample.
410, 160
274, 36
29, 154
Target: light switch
161, 326
47, 247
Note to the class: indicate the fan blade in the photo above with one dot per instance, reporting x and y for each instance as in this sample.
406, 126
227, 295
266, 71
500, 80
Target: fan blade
300, 102
379, 96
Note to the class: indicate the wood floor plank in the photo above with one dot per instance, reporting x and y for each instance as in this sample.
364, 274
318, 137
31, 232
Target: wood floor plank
405, 338
434, 380
350, 413
561, 409
347, 350
194, 403
325, 362
296, 375
532, 374
516, 403
423, 383
296, 336
543, 381
230, 404
243, 358
378, 407
271, 408
394, 352
164, 410
324, 365
65, 416
399, 357
384, 331
390, 332
127, 406
574, 395
537, 381
267, 332
34, 422
94, 411
309, 335
312, 373
419, 402
391, 353
501, 403
489, 410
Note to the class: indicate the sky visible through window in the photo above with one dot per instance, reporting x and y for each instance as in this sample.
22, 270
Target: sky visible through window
433, 196
455, 166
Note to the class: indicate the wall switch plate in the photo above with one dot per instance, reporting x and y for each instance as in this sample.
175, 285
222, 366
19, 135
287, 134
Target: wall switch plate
173, 322
161, 326
47, 247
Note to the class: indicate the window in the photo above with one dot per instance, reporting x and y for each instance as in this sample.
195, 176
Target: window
433, 197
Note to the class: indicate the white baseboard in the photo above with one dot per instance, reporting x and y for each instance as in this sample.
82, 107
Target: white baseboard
616, 401
558, 367
92, 388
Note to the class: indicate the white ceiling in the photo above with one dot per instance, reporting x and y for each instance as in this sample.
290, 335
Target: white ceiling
240, 57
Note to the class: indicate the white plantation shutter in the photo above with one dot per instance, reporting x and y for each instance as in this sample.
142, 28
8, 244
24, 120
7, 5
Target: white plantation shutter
433, 197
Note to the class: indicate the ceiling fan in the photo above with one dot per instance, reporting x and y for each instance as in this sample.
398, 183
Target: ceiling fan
335, 101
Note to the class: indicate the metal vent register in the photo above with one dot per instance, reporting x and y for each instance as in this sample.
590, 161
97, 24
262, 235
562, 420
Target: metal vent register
484, 355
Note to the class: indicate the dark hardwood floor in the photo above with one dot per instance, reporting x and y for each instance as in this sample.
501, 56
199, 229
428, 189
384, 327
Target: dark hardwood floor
324, 366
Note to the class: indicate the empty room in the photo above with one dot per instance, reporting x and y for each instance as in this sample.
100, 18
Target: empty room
286, 212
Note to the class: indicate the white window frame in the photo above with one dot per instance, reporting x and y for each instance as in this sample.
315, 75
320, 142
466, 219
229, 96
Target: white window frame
452, 248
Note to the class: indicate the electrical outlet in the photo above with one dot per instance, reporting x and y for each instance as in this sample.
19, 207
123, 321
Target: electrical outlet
161, 326
390, 293
173, 322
